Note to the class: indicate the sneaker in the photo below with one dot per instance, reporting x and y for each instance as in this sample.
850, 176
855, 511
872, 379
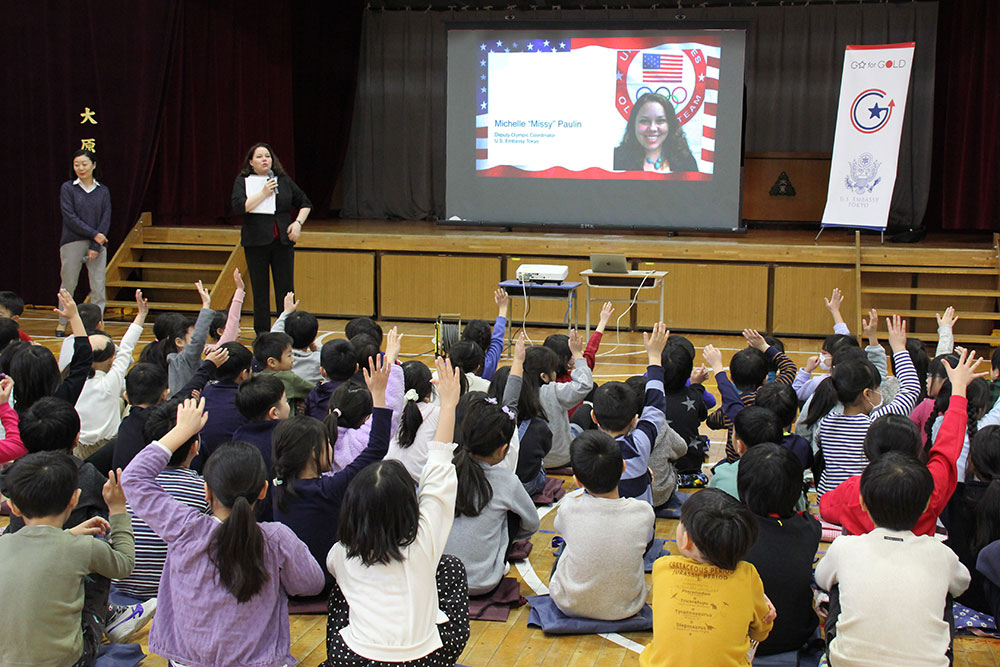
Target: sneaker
124, 621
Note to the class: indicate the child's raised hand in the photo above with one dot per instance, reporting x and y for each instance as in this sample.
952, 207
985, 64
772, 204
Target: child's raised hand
206, 298
575, 343
755, 340
700, 374
713, 357
393, 344
290, 305
520, 349
114, 497
377, 377
218, 356
143, 305
772, 613
238, 279
870, 326
948, 319
812, 363
66, 307
191, 418
502, 300
6, 388
655, 342
836, 298
449, 385
964, 371
95, 525
897, 333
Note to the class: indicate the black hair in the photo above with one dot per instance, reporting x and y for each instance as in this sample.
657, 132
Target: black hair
49, 425
467, 355
91, 315
352, 403
10, 301
851, 378
159, 421
754, 425
772, 364
825, 397
90, 155
892, 433
780, 399
834, 343
364, 325
167, 328
103, 353
339, 359
258, 395
235, 474
559, 343
720, 526
539, 359
246, 169
380, 515
9, 332
42, 484
995, 359
416, 376
614, 406
637, 383
677, 366
529, 405
484, 429
219, 319
896, 489
917, 350
302, 326
596, 458
35, 373
984, 459
13, 349
769, 480
295, 442
366, 349
240, 359
748, 369
480, 332
145, 383
683, 342
977, 396
270, 345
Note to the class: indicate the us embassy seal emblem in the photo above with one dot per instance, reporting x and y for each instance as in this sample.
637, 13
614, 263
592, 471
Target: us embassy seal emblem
864, 174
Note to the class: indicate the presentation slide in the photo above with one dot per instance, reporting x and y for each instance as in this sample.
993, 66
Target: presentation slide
636, 127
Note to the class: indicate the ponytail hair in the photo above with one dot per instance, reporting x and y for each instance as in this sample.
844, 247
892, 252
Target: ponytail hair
296, 442
235, 475
977, 395
352, 403
416, 378
984, 455
484, 429
529, 406
823, 400
167, 328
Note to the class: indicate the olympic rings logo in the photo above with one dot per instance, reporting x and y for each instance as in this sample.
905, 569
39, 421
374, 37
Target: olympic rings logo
677, 96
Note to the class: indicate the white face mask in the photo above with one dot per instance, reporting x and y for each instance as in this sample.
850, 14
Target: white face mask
880, 402
824, 361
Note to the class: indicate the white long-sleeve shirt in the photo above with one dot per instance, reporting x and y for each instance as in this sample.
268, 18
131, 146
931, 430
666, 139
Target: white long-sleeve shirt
100, 402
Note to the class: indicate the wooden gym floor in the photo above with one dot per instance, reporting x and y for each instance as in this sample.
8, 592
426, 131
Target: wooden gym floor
513, 643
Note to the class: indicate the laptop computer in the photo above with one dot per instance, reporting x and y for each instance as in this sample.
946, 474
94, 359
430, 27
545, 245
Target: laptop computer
600, 263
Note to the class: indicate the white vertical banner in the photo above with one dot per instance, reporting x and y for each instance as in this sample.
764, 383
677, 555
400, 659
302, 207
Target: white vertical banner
866, 144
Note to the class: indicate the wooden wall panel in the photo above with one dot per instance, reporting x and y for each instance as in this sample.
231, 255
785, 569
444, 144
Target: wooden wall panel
551, 311
426, 286
331, 283
979, 304
798, 306
809, 174
712, 297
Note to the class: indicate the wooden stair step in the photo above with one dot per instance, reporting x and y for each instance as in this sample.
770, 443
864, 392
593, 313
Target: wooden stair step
944, 270
930, 314
156, 284
185, 266
931, 291
972, 339
157, 305
183, 246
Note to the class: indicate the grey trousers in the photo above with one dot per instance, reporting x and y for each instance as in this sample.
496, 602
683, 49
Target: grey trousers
73, 255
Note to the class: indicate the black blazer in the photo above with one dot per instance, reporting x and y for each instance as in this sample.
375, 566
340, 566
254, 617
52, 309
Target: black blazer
258, 228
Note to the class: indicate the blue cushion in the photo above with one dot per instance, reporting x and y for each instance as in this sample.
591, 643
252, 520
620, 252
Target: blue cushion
119, 655
547, 616
656, 550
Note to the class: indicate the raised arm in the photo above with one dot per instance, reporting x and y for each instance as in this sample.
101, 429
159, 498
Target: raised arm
581, 379
11, 446
909, 383
232, 328
495, 349
732, 403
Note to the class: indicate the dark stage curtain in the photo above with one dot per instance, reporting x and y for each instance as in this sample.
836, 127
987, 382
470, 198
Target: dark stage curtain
60, 57
795, 55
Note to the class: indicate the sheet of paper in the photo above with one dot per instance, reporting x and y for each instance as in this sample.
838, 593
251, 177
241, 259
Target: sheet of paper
254, 185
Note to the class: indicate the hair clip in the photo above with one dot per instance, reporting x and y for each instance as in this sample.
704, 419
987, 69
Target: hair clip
491, 400
277, 481
411, 395
510, 413
336, 411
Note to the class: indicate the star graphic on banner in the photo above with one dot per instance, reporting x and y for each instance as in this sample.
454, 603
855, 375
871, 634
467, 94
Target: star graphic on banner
514, 45
876, 111
499, 44
506, 50
562, 45
482, 63
483, 77
689, 404
545, 43
701, 77
483, 89
483, 105
482, 47
620, 75
531, 47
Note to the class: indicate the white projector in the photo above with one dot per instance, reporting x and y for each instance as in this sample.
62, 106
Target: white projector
542, 273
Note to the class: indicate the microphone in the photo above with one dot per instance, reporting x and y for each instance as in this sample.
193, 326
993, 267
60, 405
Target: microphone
270, 175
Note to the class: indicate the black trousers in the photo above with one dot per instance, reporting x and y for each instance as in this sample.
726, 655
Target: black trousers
277, 259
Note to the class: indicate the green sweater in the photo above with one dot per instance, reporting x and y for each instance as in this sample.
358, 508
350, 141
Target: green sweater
41, 582
724, 477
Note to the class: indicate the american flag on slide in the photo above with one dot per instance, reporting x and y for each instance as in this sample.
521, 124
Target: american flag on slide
660, 68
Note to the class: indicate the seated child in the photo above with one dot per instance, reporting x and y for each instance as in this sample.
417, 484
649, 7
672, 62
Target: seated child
707, 598
754, 425
100, 401
749, 368
262, 402
468, 356
559, 343
490, 338
220, 399
392, 537
889, 587
366, 326
93, 322
365, 348
533, 433
306, 498
668, 449
183, 484
226, 325
273, 352
977, 395
184, 349
11, 446
487, 494
44, 567
225, 569
302, 327
770, 484
600, 572
338, 364
418, 420
11, 308
780, 399
9, 331
615, 414
937, 380
686, 408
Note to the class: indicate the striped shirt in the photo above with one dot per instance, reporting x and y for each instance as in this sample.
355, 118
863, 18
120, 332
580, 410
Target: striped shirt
842, 436
637, 445
184, 485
